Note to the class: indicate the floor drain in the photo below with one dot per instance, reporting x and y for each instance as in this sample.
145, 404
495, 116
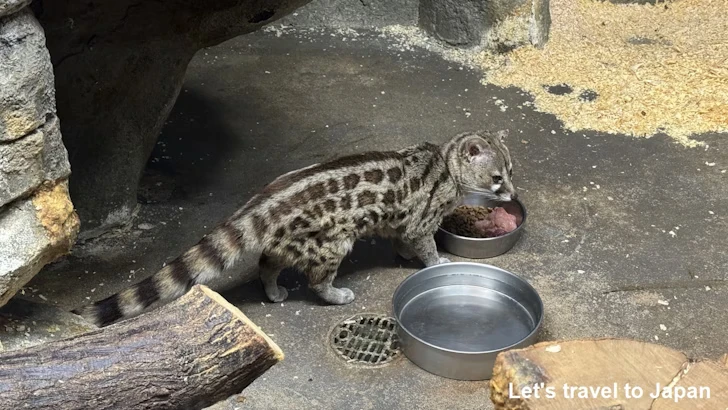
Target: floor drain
366, 339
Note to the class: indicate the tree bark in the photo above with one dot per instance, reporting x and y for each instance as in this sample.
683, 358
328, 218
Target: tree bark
188, 354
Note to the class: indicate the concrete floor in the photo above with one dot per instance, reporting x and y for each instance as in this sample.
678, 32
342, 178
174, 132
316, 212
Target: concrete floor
598, 247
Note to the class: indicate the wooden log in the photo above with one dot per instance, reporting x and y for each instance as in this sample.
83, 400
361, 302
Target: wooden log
191, 353
596, 374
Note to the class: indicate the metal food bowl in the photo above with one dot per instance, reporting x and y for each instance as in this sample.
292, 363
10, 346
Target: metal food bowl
480, 248
454, 318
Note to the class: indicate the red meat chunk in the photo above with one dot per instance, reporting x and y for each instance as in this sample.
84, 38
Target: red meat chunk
497, 223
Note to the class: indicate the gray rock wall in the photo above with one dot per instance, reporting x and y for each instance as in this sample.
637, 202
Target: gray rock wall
8, 7
116, 68
499, 25
119, 66
37, 221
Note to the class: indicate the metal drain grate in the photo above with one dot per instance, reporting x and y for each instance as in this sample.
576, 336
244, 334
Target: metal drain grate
366, 339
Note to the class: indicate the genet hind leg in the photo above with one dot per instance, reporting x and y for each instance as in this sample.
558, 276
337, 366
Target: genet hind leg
321, 281
269, 272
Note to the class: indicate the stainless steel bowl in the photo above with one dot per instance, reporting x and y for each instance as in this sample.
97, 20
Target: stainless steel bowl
454, 318
480, 248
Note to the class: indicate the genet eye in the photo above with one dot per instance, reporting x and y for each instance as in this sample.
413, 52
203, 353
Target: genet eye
497, 179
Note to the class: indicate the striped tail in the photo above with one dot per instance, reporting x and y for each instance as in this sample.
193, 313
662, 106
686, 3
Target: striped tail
206, 260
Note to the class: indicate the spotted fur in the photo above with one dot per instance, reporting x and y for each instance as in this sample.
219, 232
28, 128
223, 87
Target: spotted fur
309, 219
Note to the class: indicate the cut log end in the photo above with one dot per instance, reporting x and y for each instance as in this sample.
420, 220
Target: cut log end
277, 352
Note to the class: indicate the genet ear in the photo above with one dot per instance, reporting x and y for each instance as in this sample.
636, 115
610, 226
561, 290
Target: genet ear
477, 149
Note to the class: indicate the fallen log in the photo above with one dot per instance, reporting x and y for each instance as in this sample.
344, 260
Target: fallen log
191, 353
606, 374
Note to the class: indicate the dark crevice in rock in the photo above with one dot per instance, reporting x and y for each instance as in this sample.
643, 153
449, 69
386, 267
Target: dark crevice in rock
262, 16
60, 61
11, 41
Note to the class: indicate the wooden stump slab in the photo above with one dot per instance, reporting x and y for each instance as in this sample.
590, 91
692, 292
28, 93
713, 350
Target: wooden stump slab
606, 374
705, 374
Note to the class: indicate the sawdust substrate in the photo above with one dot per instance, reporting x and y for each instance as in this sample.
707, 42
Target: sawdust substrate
631, 69
659, 68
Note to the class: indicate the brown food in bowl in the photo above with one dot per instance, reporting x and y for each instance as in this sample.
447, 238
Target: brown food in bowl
479, 221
